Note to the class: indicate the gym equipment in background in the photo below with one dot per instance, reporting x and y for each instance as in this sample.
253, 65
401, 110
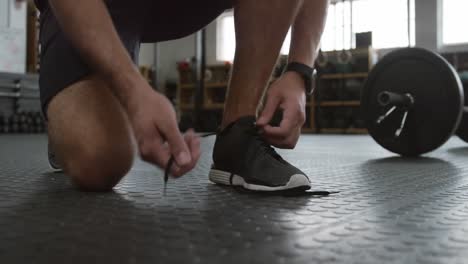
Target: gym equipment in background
413, 101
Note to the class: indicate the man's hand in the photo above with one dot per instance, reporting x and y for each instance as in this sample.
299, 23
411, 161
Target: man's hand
286, 93
154, 124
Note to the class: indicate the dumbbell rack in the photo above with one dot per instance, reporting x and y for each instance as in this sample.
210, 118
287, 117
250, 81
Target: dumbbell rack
335, 106
214, 93
16, 88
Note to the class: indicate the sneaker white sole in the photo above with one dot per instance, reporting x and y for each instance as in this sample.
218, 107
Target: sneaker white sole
226, 178
52, 164
55, 170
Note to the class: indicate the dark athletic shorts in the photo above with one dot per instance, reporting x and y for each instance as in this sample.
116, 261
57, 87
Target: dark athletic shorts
136, 21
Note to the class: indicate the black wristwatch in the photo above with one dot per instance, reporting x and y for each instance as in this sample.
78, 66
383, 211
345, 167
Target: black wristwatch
307, 73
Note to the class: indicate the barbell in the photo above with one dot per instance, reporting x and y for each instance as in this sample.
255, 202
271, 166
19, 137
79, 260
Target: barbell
413, 102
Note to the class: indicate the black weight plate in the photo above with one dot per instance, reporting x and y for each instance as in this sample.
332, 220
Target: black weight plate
462, 130
438, 95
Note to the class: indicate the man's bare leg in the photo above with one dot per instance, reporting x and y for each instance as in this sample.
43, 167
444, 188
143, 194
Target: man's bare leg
261, 27
307, 31
91, 135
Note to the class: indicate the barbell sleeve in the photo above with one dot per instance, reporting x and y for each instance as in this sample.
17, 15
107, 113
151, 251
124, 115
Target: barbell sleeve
395, 99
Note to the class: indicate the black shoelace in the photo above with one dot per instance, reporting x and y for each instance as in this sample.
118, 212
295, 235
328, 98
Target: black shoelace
265, 146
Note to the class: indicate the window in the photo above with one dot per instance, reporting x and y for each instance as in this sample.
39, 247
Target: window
454, 18
392, 23
12, 37
389, 21
226, 38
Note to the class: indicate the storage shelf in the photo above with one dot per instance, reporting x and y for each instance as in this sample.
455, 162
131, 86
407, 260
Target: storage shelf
344, 75
308, 130
340, 103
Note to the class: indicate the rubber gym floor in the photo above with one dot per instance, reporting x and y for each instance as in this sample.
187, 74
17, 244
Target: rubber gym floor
388, 210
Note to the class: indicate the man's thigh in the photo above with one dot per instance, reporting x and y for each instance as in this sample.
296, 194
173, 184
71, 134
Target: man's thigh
62, 65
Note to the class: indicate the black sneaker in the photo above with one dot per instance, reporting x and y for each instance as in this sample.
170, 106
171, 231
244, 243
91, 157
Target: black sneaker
242, 158
54, 165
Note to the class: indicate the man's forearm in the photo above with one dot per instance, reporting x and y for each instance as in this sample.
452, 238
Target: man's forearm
307, 31
88, 25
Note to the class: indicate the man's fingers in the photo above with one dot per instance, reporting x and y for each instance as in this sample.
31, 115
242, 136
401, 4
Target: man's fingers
154, 151
193, 142
271, 105
177, 145
175, 170
292, 119
150, 150
284, 143
283, 131
196, 152
287, 134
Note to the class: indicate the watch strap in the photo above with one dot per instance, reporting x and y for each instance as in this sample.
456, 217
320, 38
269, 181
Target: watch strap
306, 72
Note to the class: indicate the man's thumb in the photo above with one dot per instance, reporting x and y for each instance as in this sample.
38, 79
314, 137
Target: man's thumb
268, 111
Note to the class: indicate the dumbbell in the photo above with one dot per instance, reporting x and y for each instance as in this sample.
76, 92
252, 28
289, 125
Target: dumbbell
38, 119
13, 123
23, 123
353, 89
325, 118
413, 102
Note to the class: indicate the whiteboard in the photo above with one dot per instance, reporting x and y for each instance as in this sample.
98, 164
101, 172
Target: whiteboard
4, 9
13, 37
12, 50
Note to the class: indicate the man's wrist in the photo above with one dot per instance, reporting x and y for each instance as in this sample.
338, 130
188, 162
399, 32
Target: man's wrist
306, 73
297, 79
127, 86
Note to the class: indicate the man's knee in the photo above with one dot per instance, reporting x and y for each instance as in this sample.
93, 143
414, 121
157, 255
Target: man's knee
99, 168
